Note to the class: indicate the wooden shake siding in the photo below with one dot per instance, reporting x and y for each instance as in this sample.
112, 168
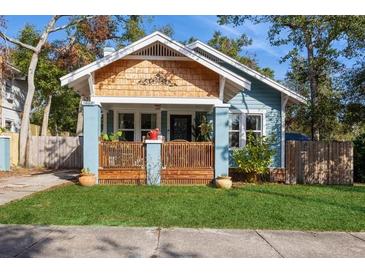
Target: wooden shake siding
189, 79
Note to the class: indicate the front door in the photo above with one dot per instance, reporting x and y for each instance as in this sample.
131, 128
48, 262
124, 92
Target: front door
180, 127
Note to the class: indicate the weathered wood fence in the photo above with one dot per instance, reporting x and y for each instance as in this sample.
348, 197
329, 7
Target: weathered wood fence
310, 162
55, 152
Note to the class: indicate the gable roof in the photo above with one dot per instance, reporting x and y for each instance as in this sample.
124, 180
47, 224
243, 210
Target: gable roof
83, 73
217, 54
80, 78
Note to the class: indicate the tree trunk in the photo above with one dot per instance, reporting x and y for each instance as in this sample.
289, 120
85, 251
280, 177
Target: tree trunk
24, 128
80, 119
313, 84
46, 116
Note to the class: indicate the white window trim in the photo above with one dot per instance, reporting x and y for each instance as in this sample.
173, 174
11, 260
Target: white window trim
158, 121
244, 112
137, 120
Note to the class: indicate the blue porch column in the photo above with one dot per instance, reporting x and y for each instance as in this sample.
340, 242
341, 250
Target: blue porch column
221, 140
153, 161
4, 153
92, 115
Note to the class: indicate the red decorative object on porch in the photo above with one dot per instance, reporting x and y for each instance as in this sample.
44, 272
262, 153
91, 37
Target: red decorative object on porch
153, 134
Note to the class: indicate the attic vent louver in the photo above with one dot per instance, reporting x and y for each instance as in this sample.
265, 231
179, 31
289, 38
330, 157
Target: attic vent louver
157, 49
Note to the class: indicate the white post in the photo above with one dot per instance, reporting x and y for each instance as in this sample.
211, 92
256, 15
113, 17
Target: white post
284, 100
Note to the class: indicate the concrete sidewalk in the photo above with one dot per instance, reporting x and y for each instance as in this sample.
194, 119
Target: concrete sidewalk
88, 241
15, 188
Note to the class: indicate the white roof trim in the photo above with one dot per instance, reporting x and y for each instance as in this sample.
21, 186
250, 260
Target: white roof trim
157, 100
294, 95
149, 39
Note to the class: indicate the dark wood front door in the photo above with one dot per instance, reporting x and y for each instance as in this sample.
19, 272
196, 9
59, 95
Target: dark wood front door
180, 127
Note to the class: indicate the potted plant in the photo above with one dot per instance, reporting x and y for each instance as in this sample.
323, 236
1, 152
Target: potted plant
87, 178
112, 137
223, 181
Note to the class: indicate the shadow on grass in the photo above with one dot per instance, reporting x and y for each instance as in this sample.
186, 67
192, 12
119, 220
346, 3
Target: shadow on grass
302, 198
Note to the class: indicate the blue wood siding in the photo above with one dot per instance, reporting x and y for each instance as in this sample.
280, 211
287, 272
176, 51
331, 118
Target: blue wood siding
262, 97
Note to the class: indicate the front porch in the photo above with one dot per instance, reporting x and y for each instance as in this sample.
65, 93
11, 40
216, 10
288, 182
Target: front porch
181, 163
180, 159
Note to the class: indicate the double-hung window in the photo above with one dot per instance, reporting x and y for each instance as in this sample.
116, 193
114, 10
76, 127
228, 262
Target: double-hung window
234, 130
254, 124
126, 124
148, 122
241, 124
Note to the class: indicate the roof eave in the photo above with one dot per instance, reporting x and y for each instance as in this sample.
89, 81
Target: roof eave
292, 94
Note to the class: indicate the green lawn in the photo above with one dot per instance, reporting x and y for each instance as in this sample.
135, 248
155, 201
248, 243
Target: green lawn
266, 206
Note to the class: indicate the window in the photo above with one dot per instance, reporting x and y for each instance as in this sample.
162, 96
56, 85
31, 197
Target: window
234, 130
148, 122
254, 124
8, 125
241, 124
126, 124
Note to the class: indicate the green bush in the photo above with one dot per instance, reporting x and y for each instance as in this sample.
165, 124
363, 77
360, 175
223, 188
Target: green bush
359, 159
255, 157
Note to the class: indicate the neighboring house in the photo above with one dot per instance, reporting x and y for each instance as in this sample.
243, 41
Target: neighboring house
13, 89
158, 82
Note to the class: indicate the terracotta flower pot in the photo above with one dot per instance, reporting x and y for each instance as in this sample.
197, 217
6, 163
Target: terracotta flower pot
87, 180
224, 182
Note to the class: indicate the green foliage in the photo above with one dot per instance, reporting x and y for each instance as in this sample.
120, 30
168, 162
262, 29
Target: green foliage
2, 130
234, 47
86, 172
256, 156
115, 136
359, 158
318, 47
203, 129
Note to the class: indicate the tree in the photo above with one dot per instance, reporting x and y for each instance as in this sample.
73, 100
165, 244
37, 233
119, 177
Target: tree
46, 76
234, 48
86, 41
36, 50
314, 39
353, 83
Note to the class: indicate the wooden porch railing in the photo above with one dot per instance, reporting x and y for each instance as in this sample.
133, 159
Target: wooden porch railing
187, 155
121, 155
187, 163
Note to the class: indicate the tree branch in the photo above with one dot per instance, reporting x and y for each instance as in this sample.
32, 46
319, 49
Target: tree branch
17, 42
74, 22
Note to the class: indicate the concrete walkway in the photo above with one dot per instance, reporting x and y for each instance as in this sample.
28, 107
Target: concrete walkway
88, 241
15, 188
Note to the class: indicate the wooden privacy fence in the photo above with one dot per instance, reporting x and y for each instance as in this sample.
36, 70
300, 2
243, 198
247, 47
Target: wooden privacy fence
310, 162
54, 152
122, 163
187, 163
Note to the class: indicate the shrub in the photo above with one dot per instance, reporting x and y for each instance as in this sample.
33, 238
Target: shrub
255, 157
359, 158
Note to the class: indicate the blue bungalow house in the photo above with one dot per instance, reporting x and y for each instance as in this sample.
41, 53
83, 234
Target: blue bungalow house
157, 82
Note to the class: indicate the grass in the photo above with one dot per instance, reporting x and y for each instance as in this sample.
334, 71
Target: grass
267, 206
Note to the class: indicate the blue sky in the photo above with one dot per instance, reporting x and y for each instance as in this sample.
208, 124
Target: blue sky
201, 27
